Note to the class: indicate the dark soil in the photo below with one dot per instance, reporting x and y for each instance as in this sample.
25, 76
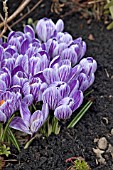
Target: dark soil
50, 153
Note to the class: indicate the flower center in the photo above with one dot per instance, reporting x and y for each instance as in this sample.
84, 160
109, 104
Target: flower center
2, 102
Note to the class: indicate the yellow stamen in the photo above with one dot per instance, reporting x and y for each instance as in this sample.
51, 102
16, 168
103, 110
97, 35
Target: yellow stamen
2, 102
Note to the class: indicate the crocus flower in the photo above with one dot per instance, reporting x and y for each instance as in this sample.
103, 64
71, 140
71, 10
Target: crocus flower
46, 29
49, 69
9, 103
62, 100
30, 123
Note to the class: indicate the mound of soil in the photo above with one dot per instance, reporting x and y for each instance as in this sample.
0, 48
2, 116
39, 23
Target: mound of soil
50, 153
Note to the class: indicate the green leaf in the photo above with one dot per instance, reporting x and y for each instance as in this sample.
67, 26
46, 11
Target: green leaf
49, 129
88, 93
1, 131
80, 114
55, 126
5, 150
108, 5
13, 139
6, 127
110, 26
34, 107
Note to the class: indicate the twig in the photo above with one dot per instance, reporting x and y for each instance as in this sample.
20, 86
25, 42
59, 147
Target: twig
5, 8
19, 9
31, 10
94, 2
107, 74
3, 21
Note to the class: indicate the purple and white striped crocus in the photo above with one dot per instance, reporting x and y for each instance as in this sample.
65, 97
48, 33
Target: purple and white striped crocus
30, 123
9, 103
83, 72
63, 99
49, 69
46, 28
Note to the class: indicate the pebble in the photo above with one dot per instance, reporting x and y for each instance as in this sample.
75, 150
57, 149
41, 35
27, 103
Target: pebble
102, 143
111, 131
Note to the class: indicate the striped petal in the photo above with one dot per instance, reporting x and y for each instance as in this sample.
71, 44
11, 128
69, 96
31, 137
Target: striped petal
63, 112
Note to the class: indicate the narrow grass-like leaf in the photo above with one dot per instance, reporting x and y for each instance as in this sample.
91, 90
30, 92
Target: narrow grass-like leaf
49, 128
6, 127
55, 126
1, 131
88, 93
13, 139
80, 114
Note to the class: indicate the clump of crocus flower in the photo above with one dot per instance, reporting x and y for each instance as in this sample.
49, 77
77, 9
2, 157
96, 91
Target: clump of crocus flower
48, 69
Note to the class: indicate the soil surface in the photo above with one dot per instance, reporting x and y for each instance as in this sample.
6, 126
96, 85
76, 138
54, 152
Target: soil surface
50, 153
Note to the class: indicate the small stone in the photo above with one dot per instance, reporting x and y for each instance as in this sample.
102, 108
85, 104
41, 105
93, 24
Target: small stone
105, 120
110, 148
102, 161
98, 152
91, 37
102, 143
99, 156
111, 131
96, 140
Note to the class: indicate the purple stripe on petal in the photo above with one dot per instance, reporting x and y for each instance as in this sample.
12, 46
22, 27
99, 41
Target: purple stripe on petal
67, 101
26, 88
2, 85
63, 88
83, 81
50, 75
51, 96
24, 46
25, 113
54, 61
41, 29
59, 48
28, 99
45, 111
29, 29
36, 121
60, 25
63, 112
75, 72
40, 76
78, 98
16, 69
18, 124
64, 73
2, 117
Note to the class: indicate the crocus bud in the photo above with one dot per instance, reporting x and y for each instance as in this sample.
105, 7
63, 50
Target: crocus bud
45, 29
